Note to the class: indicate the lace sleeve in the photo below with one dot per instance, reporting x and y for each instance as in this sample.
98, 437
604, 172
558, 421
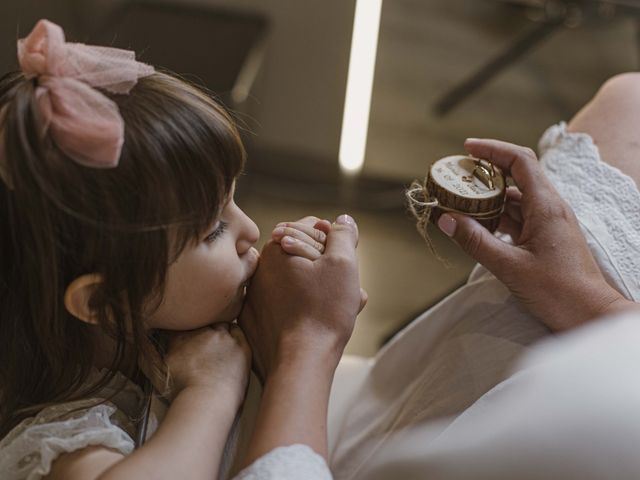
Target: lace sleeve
604, 199
287, 463
29, 450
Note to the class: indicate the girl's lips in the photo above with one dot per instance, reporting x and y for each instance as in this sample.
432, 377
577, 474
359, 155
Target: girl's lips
252, 259
247, 282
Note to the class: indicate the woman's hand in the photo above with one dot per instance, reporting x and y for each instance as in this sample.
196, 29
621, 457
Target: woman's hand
298, 316
549, 268
296, 306
215, 358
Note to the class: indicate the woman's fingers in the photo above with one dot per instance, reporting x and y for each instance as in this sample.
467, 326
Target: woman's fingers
514, 211
478, 242
514, 194
513, 204
511, 227
521, 163
344, 235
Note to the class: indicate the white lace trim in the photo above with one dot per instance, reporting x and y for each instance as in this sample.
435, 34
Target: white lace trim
288, 463
605, 200
29, 450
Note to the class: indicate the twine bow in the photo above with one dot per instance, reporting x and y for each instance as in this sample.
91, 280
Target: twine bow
421, 204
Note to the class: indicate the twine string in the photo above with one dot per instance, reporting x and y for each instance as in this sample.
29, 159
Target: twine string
421, 204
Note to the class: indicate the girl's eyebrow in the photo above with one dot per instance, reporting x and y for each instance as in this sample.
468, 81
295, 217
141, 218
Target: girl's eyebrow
227, 199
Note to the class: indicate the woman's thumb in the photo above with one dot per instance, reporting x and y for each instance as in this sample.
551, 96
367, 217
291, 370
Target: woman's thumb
476, 240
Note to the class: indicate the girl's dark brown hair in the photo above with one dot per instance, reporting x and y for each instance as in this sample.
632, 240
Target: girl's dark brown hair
60, 220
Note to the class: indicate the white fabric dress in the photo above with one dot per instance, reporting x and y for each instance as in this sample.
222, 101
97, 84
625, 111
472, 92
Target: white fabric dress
29, 450
460, 393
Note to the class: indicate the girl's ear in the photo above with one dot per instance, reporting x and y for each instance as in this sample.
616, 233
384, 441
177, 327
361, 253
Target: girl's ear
78, 295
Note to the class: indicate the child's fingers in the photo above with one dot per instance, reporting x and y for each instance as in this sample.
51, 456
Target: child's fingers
304, 233
293, 246
318, 234
323, 226
310, 221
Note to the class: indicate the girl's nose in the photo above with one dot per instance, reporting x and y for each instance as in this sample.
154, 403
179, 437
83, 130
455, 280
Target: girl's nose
248, 236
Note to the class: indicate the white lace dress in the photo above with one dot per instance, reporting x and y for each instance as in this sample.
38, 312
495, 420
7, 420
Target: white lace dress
29, 450
441, 400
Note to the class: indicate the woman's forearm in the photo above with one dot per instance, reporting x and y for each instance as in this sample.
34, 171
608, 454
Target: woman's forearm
293, 408
188, 444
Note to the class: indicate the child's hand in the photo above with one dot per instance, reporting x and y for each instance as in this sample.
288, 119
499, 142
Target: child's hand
304, 238
216, 358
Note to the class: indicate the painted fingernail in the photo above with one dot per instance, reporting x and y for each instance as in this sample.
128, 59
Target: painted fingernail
472, 139
345, 220
447, 224
289, 240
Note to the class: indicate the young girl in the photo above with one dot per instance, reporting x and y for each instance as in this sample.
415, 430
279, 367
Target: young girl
117, 221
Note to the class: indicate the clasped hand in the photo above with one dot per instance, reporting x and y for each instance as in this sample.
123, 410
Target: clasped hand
305, 294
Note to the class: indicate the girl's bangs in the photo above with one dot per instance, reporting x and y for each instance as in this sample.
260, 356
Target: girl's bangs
198, 155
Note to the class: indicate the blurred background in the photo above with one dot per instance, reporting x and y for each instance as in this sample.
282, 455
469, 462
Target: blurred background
424, 74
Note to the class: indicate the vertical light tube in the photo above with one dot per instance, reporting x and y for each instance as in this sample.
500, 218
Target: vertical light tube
362, 63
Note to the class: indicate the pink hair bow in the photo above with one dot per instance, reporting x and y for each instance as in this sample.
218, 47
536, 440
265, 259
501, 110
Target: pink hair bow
84, 123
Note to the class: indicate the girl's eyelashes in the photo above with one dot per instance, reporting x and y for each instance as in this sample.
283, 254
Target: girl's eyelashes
219, 230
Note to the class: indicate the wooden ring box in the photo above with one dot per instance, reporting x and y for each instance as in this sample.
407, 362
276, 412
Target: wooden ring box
468, 185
